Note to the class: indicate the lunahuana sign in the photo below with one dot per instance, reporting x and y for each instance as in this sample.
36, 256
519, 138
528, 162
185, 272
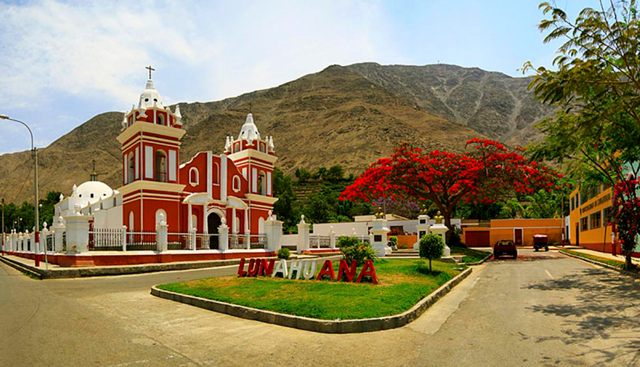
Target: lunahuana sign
307, 270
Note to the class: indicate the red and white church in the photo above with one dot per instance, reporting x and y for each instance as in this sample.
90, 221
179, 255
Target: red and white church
234, 187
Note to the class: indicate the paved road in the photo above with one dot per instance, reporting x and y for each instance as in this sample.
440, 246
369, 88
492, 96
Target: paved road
542, 310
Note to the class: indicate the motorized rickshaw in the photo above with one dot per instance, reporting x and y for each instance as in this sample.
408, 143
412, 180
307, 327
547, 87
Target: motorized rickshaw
540, 241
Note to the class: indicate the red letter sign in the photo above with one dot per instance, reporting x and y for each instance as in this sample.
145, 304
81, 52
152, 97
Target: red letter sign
254, 266
327, 269
241, 271
266, 267
368, 270
344, 270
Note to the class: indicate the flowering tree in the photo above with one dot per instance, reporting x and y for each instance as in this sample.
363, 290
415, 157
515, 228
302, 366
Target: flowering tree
482, 175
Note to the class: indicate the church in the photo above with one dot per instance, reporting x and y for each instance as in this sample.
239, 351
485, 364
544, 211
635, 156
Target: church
235, 187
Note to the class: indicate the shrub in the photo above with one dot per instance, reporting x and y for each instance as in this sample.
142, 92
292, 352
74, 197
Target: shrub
353, 249
454, 239
284, 253
431, 247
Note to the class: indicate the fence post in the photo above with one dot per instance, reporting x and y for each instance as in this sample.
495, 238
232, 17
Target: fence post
124, 238
27, 239
58, 230
77, 233
332, 238
273, 230
303, 235
161, 234
192, 239
223, 238
44, 237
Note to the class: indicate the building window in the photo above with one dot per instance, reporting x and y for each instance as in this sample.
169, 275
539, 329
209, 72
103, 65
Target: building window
584, 224
262, 184
132, 168
161, 166
161, 119
194, 176
596, 220
216, 174
607, 215
236, 183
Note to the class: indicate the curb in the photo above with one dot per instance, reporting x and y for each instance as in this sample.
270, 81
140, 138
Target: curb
481, 261
317, 325
21, 267
610, 267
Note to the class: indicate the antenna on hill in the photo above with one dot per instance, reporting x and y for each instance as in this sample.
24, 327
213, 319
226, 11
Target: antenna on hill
93, 176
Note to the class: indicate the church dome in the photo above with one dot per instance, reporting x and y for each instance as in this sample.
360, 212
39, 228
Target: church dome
150, 97
249, 130
92, 191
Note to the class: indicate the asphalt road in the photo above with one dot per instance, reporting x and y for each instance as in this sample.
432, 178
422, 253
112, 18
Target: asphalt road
543, 309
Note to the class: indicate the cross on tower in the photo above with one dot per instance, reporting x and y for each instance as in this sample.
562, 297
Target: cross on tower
150, 70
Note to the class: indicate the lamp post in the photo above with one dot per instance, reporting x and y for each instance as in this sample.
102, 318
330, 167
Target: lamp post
35, 188
2, 242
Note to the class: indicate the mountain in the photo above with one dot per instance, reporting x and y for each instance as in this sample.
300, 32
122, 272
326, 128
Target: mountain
342, 115
492, 103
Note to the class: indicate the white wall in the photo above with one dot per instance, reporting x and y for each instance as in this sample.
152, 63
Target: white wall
362, 228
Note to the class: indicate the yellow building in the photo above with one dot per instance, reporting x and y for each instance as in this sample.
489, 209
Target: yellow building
590, 211
521, 231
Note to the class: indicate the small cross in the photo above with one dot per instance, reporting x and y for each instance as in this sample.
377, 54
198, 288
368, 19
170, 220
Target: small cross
150, 70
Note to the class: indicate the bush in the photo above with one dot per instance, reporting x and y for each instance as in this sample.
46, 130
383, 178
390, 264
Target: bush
284, 253
431, 247
353, 249
454, 239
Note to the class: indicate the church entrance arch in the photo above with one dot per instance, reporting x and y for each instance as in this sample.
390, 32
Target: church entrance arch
213, 222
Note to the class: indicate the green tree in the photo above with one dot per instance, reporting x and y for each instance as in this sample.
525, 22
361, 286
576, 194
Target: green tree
431, 247
596, 88
335, 173
302, 175
287, 207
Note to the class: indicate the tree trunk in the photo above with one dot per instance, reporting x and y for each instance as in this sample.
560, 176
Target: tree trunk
447, 223
431, 270
628, 264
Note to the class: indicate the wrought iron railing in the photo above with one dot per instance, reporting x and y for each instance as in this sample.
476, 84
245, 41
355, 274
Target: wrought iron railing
258, 241
178, 241
64, 241
50, 242
139, 241
105, 239
319, 241
237, 242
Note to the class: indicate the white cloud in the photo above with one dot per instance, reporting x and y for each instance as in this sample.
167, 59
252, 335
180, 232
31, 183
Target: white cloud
75, 58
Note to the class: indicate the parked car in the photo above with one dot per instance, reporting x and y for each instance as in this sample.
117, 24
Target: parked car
540, 241
505, 247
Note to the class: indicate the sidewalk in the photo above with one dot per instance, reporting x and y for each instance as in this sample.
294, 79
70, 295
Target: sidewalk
606, 255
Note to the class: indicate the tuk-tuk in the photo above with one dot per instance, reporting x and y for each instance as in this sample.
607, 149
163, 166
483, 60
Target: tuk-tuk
540, 241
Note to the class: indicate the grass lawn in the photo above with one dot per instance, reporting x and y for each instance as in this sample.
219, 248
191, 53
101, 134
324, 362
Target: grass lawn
470, 256
400, 287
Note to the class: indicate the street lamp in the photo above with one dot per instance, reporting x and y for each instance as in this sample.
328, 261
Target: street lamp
35, 187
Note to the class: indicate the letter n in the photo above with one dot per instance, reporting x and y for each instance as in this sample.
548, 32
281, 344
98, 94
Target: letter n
368, 270
327, 269
266, 267
344, 270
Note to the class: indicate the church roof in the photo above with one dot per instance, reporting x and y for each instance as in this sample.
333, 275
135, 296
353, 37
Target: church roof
150, 97
249, 130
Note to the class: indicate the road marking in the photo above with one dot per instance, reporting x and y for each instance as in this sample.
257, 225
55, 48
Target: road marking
549, 274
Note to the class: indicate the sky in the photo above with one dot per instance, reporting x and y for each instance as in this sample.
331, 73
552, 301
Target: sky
63, 62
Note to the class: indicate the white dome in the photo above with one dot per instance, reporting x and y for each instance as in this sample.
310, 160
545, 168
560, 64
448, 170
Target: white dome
92, 191
249, 130
150, 97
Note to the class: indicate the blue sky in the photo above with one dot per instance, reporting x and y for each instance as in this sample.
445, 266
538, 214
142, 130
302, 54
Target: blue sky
65, 61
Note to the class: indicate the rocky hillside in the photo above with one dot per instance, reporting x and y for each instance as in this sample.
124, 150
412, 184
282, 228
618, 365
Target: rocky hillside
336, 116
494, 104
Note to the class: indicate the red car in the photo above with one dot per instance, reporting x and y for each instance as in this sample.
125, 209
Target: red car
505, 247
540, 241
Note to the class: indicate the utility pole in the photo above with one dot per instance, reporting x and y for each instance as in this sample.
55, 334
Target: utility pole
2, 226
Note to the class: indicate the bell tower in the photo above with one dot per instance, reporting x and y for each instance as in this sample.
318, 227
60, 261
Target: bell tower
150, 144
255, 158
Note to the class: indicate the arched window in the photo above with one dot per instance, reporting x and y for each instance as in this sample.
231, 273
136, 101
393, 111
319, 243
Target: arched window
194, 176
194, 222
216, 174
131, 168
161, 166
262, 184
131, 227
161, 119
158, 212
236, 183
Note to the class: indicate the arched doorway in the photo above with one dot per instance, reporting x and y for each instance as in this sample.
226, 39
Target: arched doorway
213, 222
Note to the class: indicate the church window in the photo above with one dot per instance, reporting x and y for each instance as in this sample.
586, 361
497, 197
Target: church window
161, 119
262, 184
131, 167
216, 174
236, 183
161, 166
91, 195
194, 176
